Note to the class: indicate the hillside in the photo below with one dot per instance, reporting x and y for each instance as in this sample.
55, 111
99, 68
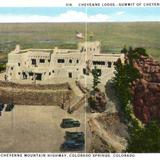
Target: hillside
112, 35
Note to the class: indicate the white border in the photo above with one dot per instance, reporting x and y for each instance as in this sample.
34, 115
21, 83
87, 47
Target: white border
75, 3
62, 3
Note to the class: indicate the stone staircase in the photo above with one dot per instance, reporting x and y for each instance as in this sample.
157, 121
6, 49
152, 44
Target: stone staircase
76, 89
80, 103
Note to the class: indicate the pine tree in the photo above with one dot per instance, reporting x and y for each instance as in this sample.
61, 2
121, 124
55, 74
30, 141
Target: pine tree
145, 140
125, 74
124, 50
96, 80
118, 74
2, 67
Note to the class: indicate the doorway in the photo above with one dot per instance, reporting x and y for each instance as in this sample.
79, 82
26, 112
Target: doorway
38, 76
70, 74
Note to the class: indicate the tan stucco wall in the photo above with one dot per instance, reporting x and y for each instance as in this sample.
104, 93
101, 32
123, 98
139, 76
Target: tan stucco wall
20, 61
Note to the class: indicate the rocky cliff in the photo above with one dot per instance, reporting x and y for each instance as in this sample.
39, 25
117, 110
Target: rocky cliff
146, 90
97, 101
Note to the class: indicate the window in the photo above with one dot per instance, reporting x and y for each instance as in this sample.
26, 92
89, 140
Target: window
84, 71
90, 49
33, 61
82, 49
11, 68
42, 60
77, 61
98, 62
24, 75
49, 73
70, 61
109, 64
60, 60
30, 73
19, 64
38, 76
19, 73
70, 74
48, 60
52, 71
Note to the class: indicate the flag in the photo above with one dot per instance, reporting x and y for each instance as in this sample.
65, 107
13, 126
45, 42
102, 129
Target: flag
79, 35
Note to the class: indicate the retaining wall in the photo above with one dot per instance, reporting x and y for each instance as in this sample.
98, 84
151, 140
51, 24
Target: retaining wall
55, 94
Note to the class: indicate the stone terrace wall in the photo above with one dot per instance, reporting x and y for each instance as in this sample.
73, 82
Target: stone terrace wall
36, 94
35, 86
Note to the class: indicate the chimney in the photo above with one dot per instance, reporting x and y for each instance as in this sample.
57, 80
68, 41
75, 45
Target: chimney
18, 48
56, 49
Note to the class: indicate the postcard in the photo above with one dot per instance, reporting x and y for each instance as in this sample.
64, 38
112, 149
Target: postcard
81, 79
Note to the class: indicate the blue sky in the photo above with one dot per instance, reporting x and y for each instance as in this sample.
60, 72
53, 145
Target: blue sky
77, 14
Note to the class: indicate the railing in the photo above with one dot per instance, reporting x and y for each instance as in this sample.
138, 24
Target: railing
77, 105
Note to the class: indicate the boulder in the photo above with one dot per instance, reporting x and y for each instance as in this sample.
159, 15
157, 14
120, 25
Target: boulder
97, 101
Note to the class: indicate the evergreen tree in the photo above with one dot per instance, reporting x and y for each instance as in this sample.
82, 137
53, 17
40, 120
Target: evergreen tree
125, 74
141, 51
124, 50
96, 80
2, 67
142, 139
145, 140
134, 54
131, 73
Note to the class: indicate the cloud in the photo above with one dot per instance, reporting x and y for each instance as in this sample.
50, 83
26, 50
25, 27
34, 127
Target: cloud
76, 16
120, 13
99, 18
69, 16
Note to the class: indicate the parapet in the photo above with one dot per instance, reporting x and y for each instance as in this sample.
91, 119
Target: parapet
89, 44
17, 49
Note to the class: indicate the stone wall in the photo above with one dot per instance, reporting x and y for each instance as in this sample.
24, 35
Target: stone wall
35, 86
36, 94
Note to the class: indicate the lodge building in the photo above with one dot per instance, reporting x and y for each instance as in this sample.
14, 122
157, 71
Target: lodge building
58, 65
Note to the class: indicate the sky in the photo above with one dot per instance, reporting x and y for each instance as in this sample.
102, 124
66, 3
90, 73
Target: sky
78, 14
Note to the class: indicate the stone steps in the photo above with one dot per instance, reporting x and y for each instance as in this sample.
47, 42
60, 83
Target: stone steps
76, 89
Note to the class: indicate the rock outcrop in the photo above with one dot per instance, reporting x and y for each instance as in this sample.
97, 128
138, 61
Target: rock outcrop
97, 101
146, 90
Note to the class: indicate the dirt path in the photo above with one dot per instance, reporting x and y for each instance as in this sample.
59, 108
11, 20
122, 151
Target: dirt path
111, 140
